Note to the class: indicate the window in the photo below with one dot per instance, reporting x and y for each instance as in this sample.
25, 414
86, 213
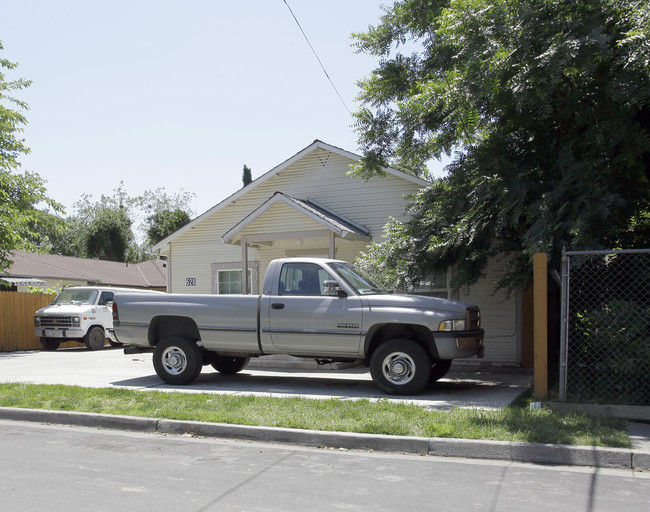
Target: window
229, 281
437, 285
73, 296
303, 279
105, 298
226, 277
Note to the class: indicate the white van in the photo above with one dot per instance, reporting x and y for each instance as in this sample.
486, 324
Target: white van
79, 313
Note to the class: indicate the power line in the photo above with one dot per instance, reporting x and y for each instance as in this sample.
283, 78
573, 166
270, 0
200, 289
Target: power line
317, 58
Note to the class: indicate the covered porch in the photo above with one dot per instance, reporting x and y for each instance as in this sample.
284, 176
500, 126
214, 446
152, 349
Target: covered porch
286, 226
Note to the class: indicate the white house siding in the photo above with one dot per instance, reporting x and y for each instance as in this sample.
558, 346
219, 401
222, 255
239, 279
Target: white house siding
501, 317
320, 176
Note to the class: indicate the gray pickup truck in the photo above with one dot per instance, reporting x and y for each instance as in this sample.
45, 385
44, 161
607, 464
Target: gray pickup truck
310, 307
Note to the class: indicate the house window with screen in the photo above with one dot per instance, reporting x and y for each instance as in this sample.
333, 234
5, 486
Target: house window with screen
229, 281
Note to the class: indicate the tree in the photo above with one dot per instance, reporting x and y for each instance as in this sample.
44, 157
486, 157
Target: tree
20, 193
102, 229
247, 177
164, 214
165, 222
109, 235
545, 105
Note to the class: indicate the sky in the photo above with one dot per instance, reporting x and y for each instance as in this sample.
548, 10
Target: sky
180, 94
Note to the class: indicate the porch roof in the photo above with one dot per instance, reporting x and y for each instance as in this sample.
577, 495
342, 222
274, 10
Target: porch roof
330, 220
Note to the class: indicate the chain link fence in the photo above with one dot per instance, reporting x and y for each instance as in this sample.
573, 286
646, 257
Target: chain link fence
605, 329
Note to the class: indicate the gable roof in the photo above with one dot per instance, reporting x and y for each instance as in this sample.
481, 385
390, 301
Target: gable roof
338, 224
314, 146
148, 274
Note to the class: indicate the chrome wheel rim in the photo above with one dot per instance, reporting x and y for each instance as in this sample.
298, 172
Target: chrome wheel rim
398, 368
174, 360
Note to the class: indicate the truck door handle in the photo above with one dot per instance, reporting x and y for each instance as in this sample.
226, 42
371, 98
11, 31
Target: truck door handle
277, 305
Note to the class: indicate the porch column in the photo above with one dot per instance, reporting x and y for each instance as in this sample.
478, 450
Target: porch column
332, 249
244, 266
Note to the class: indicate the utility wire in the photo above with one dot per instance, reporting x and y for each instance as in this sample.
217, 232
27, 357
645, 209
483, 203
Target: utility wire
317, 58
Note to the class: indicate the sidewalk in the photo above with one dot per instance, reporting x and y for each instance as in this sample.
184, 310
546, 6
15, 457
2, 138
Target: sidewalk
639, 435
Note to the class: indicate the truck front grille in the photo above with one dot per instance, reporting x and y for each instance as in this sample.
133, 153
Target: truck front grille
472, 318
56, 322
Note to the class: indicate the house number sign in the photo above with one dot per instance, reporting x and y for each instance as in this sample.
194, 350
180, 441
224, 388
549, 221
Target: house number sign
190, 281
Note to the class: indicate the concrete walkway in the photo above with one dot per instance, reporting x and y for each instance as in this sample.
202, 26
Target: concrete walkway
111, 368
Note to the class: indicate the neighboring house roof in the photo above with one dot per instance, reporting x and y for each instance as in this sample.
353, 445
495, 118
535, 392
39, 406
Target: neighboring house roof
316, 145
343, 227
148, 274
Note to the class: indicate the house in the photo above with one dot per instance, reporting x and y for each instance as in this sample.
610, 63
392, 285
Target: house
309, 205
54, 271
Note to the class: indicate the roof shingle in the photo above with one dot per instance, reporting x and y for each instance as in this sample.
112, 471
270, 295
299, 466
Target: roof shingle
148, 274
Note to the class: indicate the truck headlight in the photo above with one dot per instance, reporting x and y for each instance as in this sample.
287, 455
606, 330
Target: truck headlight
452, 325
76, 321
37, 321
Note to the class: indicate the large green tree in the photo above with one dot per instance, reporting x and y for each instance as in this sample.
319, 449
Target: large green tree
119, 227
544, 106
101, 229
23, 196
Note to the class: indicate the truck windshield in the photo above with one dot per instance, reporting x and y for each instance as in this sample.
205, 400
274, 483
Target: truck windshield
76, 297
357, 279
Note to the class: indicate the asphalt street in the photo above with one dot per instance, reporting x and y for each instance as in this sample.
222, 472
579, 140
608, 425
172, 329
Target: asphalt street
55, 468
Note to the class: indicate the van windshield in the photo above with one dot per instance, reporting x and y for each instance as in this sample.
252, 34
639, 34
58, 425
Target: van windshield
76, 297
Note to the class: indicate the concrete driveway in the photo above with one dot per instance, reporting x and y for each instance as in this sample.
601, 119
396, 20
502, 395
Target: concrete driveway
112, 368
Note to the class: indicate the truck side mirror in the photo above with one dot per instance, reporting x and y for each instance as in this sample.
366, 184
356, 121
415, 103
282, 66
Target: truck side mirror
333, 288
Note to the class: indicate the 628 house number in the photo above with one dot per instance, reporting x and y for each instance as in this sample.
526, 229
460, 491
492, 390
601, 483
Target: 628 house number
190, 281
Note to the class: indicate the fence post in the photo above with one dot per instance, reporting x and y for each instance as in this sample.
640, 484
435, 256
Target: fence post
540, 316
564, 325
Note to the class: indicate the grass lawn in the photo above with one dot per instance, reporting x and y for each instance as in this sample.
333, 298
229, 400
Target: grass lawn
514, 423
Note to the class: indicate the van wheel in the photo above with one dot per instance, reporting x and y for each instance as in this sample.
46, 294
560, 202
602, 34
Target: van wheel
50, 343
228, 365
400, 367
95, 338
177, 360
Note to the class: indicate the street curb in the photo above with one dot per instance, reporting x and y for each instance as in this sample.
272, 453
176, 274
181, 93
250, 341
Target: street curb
440, 447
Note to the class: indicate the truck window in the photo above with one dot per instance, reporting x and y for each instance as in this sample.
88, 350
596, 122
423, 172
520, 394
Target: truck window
302, 279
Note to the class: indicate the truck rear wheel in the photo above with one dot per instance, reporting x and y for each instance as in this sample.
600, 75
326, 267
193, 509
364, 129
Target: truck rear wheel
228, 365
95, 338
400, 367
177, 360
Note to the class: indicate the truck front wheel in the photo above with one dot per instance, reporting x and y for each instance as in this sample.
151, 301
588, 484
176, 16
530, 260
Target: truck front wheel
95, 338
177, 360
440, 369
400, 367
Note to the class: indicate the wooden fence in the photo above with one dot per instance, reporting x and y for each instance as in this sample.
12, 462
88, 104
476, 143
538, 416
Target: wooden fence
17, 320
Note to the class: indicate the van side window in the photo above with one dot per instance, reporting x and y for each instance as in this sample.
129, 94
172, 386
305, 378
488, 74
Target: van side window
105, 298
